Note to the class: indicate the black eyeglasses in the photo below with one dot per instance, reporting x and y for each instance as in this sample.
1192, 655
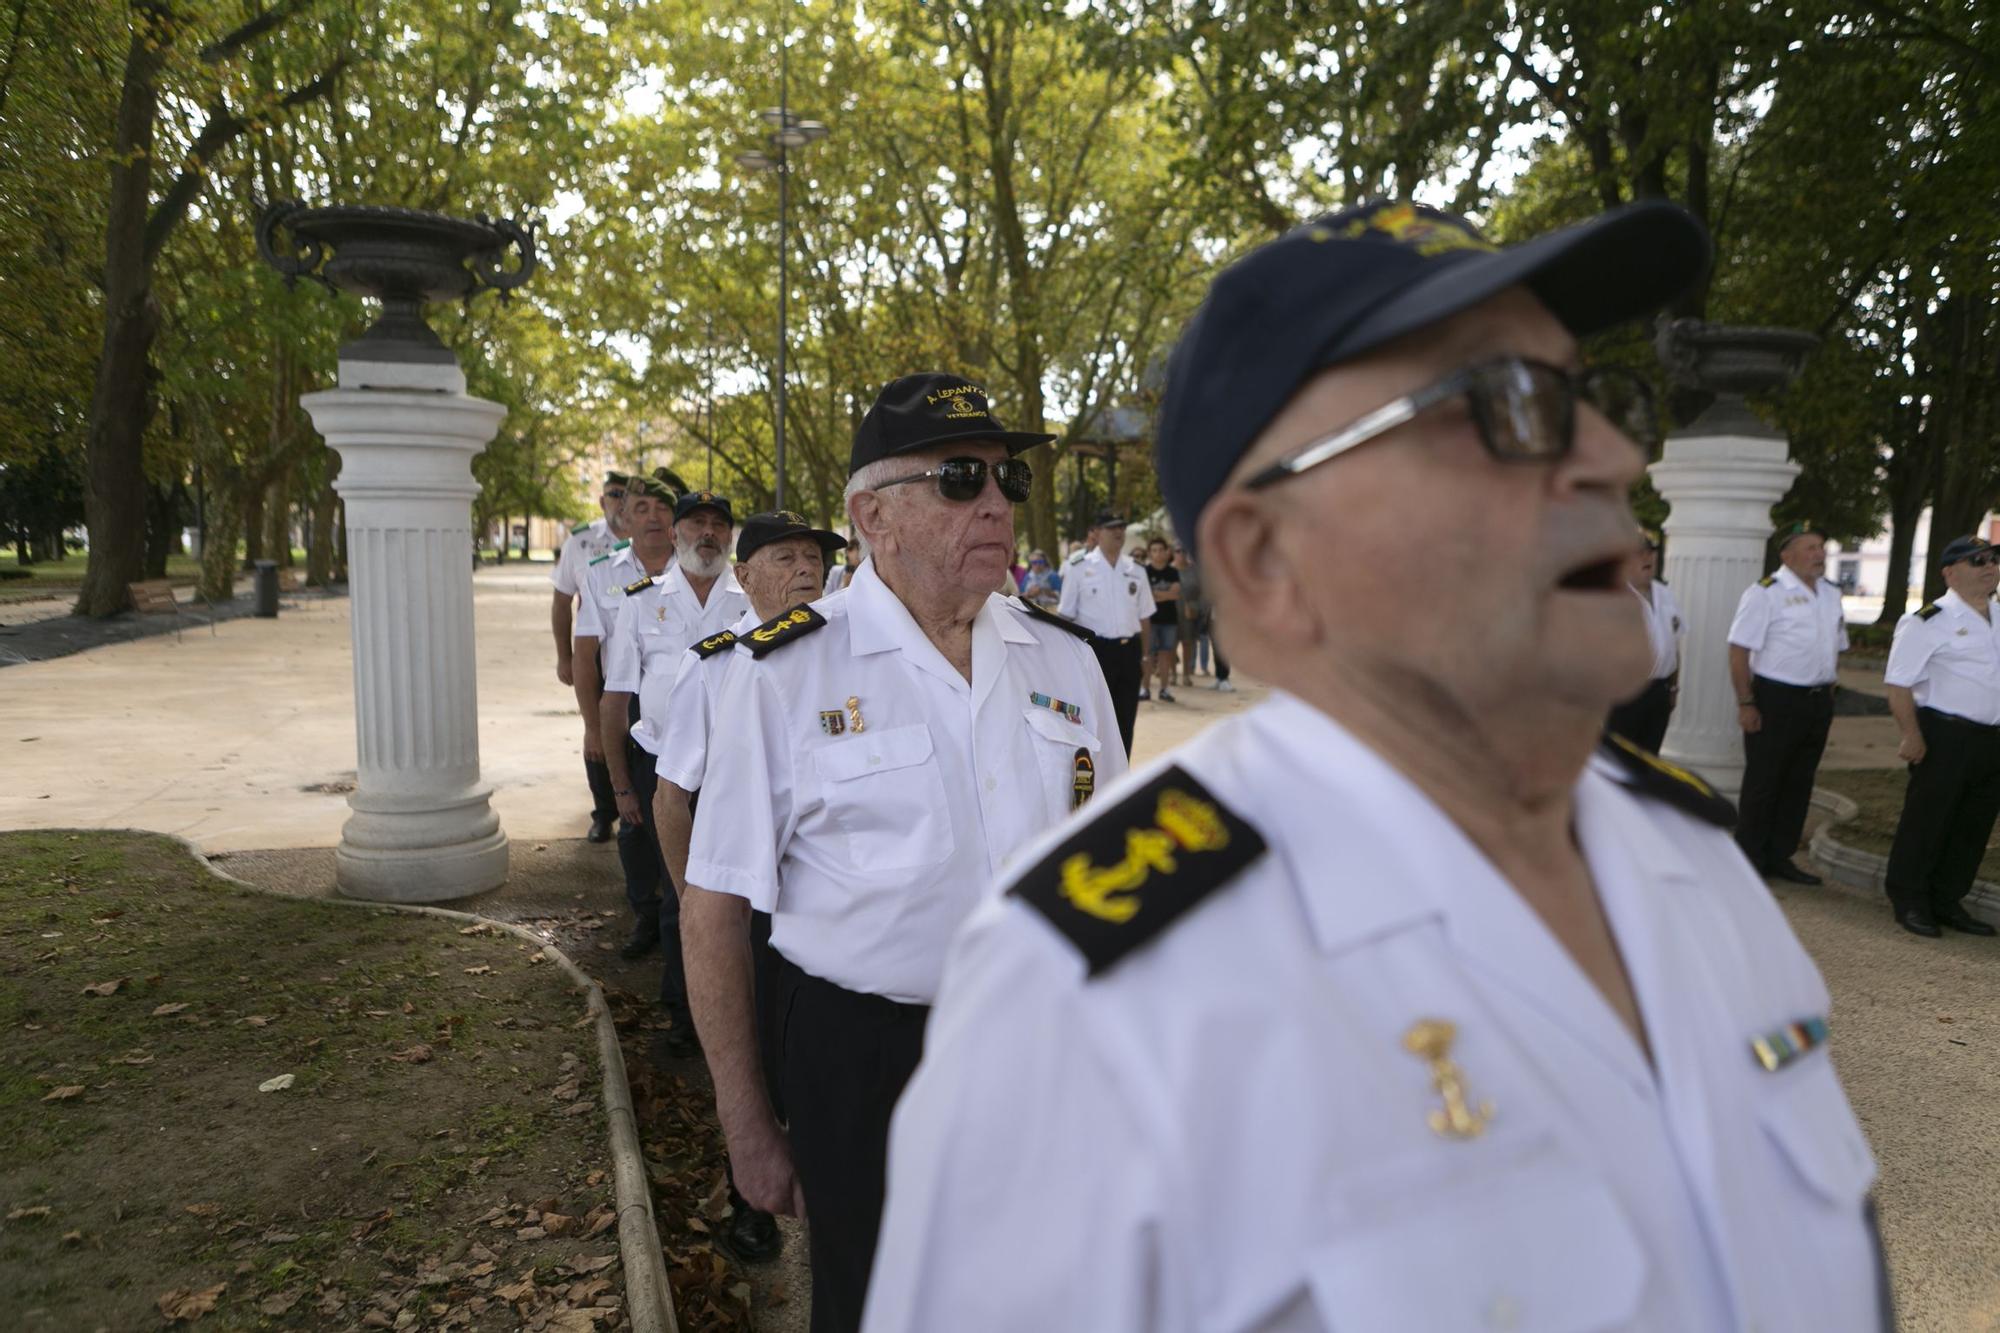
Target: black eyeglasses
962, 479
1982, 561
1525, 412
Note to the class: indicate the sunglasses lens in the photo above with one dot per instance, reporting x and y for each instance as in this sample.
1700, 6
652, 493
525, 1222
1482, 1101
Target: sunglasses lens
1015, 479
1983, 561
1627, 402
1525, 410
960, 478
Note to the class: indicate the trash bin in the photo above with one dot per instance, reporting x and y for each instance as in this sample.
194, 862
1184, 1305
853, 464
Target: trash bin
267, 589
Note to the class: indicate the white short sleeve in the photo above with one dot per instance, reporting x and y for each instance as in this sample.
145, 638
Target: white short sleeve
1072, 593
1753, 619
621, 657
1909, 654
568, 561
997, 1165
589, 620
683, 730
745, 820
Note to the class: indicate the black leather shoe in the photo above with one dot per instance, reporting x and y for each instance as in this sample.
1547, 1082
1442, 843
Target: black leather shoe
1789, 872
645, 938
751, 1235
1918, 922
1965, 923
600, 829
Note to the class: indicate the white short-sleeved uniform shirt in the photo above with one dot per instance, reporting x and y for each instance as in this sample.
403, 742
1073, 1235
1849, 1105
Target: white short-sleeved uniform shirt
586, 541
676, 730
604, 580
869, 845
1111, 601
657, 625
1223, 1128
1664, 629
1795, 634
836, 578
1948, 656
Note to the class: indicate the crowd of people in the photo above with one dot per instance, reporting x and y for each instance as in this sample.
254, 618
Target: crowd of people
1408, 998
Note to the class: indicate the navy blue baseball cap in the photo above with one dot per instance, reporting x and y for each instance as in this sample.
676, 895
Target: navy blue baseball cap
919, 411
1962, 548
694, 500
1348, 283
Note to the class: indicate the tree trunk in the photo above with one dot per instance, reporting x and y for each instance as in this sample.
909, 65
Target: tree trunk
319, 556
120, 404
278, 524
218, 553
160, 529
253, 524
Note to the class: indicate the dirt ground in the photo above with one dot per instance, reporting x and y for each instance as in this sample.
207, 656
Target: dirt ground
438, 1159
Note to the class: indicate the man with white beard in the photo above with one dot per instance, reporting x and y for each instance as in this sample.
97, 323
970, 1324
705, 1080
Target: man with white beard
658, 618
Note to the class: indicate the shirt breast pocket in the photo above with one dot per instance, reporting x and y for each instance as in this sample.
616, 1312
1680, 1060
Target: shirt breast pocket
1057, 741
1500, 1247
885, 794
1806, 1115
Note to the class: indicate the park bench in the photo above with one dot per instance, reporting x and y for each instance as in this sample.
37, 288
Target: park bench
153, 595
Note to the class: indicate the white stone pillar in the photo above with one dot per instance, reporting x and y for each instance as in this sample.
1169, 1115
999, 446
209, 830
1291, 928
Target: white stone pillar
422, 829
1721, 488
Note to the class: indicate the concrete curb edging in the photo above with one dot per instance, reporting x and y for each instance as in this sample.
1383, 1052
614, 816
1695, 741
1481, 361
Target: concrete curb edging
649, 1299
1861, 873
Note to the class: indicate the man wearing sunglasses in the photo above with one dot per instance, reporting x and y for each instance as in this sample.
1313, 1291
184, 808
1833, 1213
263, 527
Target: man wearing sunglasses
1784, 653
585, 543
1401, 1000
1944, 689
892, 748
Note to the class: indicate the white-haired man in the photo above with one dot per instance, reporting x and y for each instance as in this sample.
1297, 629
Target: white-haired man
1395, 1002
890, 749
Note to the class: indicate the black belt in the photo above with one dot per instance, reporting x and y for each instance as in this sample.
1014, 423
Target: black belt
1117, 643
1953, 719
1795, 689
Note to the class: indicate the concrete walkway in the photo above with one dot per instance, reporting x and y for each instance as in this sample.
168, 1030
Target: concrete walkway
245, 738
223, 739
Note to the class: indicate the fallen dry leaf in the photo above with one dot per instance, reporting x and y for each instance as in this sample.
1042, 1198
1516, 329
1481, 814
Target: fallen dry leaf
133, 1058
283, 1301
72, 1238
260, 1020
574, 1321
558, 1224
162, 1012
416, 1055
64, 1093
519, 1293
479, 971
28, 1214
181, 1306
278, 1084
204, 1209
104, 987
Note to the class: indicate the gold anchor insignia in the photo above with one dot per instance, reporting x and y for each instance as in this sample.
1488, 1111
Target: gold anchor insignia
1430, 1040
854, 722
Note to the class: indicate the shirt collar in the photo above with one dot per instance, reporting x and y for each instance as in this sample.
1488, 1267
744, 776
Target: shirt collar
1012, 630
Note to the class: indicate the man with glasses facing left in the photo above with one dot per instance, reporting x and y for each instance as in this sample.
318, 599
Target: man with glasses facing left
1403, 1000
884, 754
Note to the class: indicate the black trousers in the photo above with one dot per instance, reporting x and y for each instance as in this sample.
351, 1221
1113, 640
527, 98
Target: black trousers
1948, 813
1780, 762
648, 886
846, 1057
1123, 664
1643, 718
603, 805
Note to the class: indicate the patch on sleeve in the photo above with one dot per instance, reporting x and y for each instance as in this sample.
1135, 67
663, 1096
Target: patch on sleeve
715, 643
1767, 580
1063, 623
774, 633
600, 559
1929, 611
581, 526
1650, 775
637, 586
1126, 875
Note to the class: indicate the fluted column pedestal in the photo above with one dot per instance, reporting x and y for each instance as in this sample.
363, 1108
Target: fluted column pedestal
422, 828
1721, 488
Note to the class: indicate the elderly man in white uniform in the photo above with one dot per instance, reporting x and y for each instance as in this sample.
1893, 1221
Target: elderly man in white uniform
1643, 718
1395, 1004
892, 749
1106, 592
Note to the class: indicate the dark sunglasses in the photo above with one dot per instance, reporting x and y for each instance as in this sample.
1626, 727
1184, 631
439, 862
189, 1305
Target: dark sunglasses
614, 495
962, 479
1525, 412
1982, 561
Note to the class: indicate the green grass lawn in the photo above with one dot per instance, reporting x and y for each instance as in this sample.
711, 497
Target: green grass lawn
441, 1141
1879, 792
48, 575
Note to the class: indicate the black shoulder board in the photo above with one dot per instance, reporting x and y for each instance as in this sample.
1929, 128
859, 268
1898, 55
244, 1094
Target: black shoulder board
801, 620
1124, 876
1767, 580
1063, 623
713, 644
1929, 611
638, 585
1653, 776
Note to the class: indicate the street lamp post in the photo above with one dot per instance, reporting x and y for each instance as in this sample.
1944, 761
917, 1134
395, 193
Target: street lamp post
784, 133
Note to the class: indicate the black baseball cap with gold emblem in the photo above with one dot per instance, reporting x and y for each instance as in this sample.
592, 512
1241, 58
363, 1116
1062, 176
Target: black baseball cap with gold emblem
760, 530
1346, 284
694, 500
919, 411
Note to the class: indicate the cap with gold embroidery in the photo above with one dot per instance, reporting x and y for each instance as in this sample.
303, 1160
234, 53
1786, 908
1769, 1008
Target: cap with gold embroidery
919, 411
1344, 285
694, 500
